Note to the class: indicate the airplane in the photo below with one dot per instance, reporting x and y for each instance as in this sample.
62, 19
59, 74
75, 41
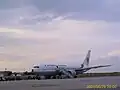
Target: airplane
59, 70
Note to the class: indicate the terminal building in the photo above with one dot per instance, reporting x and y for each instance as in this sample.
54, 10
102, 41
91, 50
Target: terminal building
5, 73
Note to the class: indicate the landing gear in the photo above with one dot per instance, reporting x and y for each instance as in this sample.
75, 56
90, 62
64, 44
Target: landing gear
57, 77
75, 76
64, 77
61, 77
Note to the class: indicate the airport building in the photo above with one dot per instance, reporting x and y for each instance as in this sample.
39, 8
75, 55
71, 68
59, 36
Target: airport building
5, 73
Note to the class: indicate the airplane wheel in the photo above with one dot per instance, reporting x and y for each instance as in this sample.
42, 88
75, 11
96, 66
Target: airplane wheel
38, 77
75, 76
57, 77
63, 76
52, 77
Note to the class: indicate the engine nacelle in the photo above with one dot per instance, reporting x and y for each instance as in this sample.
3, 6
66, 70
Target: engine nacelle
72, 72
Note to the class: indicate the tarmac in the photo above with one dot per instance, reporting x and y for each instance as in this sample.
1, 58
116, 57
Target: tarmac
91, 83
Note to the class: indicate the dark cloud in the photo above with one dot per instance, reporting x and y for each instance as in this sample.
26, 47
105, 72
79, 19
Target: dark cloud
11, 4
83, 9
23, 13
64, 6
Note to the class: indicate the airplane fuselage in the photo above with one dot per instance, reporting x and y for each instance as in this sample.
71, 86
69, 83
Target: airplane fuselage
53, 70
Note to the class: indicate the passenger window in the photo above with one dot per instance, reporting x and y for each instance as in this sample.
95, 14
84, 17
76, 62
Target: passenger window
36, 66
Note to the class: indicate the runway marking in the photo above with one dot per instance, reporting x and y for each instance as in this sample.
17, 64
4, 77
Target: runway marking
45, 85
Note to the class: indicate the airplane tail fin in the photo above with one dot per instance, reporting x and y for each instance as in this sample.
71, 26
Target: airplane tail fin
87, 59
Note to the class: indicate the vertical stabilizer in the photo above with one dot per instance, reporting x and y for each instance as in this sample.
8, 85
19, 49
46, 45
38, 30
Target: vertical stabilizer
87, 59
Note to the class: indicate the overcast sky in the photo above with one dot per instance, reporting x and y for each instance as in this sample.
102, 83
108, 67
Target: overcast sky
59, 31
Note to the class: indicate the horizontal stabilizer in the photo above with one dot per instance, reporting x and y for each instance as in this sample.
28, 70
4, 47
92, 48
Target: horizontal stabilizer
94, 67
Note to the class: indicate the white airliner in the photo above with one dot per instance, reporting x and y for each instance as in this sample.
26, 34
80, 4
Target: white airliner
53, 70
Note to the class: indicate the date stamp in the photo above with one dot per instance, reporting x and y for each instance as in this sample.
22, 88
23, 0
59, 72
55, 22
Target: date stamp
101, 86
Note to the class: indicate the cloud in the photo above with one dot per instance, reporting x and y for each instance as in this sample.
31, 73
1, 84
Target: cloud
107, 60
39, 31
114, 53
83, 10
62, 41
29, 14
5, 4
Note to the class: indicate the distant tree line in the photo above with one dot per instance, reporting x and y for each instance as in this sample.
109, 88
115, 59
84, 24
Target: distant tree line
99, 74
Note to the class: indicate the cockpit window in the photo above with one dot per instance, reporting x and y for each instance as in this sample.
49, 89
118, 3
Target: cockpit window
36, 66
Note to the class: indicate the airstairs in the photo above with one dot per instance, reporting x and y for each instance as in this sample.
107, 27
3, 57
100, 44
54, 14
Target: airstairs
64, 71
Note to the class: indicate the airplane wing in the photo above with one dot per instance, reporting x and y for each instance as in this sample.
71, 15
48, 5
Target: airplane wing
94, 67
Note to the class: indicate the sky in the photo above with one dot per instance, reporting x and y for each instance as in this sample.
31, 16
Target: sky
59, 32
